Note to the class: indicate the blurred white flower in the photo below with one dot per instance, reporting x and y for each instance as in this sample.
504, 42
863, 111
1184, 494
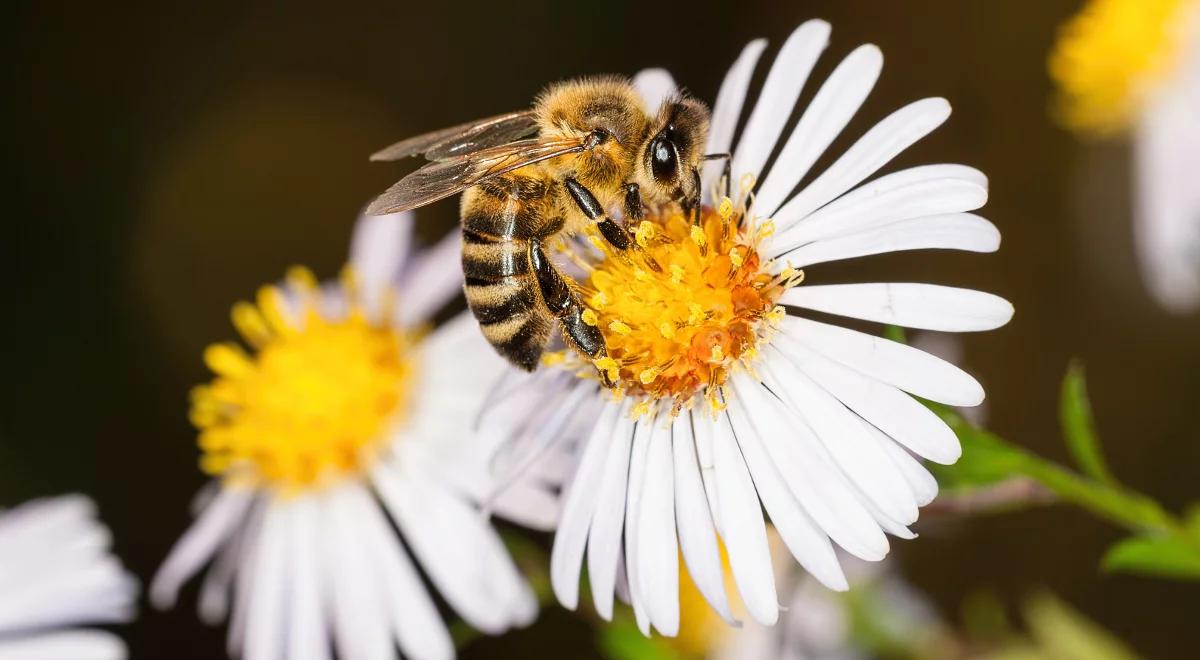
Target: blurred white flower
57, 573
343, 421
1135, 65
733, 403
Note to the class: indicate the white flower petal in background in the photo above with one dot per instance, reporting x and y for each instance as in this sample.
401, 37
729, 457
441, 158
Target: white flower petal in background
1128, 66
57, 573
1166, 197
355, 427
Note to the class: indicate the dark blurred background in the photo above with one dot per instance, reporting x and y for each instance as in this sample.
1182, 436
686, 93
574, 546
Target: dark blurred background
167, 159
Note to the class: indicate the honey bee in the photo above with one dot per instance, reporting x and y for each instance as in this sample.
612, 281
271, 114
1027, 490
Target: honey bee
585, 148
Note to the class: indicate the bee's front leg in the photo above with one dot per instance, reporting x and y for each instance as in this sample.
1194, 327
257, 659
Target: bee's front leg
616, 235
633, 203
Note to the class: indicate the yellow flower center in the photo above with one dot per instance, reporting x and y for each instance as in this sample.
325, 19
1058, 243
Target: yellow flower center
686, 306
1110, 55
312, 401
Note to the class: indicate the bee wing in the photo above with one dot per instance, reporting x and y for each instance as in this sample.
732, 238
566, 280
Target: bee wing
444, 178
464, 138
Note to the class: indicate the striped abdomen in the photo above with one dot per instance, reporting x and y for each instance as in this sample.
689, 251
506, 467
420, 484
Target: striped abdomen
500, 219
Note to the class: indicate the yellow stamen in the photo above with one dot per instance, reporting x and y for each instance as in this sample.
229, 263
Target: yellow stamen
589, 317
620, 327
645, 232
726, 208
676, 332
312, 403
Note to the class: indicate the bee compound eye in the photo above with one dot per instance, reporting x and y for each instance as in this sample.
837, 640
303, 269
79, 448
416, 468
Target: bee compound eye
664, 161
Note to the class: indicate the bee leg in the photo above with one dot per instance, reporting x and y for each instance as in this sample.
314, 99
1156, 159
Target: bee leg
725, 170
564, 304
617, 236
694, 203
633, 202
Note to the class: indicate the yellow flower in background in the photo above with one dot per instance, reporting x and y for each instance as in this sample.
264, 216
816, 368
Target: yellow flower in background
340, 423
1134, 65
1111, 55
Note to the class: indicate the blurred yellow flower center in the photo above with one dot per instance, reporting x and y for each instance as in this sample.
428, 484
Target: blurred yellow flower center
685, 307
312, 401
1110, 55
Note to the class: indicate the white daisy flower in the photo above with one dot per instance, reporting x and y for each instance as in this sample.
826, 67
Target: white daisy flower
1135, 65
731, 400
343, 421
56, 573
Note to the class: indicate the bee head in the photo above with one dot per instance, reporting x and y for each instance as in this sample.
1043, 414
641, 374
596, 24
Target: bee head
669, 166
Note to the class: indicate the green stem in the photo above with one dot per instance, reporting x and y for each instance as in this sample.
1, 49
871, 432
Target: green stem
1107, 500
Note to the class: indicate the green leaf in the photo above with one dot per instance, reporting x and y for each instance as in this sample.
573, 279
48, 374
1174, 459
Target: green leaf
1063, 633
1191, 521
1079, 427
1161, 556
621, 640
986, 460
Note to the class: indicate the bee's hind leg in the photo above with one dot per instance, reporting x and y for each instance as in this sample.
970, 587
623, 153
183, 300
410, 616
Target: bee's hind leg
564, 304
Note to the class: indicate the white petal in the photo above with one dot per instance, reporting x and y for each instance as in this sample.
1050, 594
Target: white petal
955, 231
896, 364
199, 543
47, 519
413, 617
744, 532
64, 645
213, 605
778, 97
358, 603
432, 278
811, 475
659, 552
654, 86
697, 536
924, 306
807, 543
728, 108
458, 549
566, 558
378, 250
633, 508
912, 193
308, 635
604, 537
702, 432
883, 405
266, 627
880, 144
839, 430
923, 485
831, 109
1166, 197
251, 543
